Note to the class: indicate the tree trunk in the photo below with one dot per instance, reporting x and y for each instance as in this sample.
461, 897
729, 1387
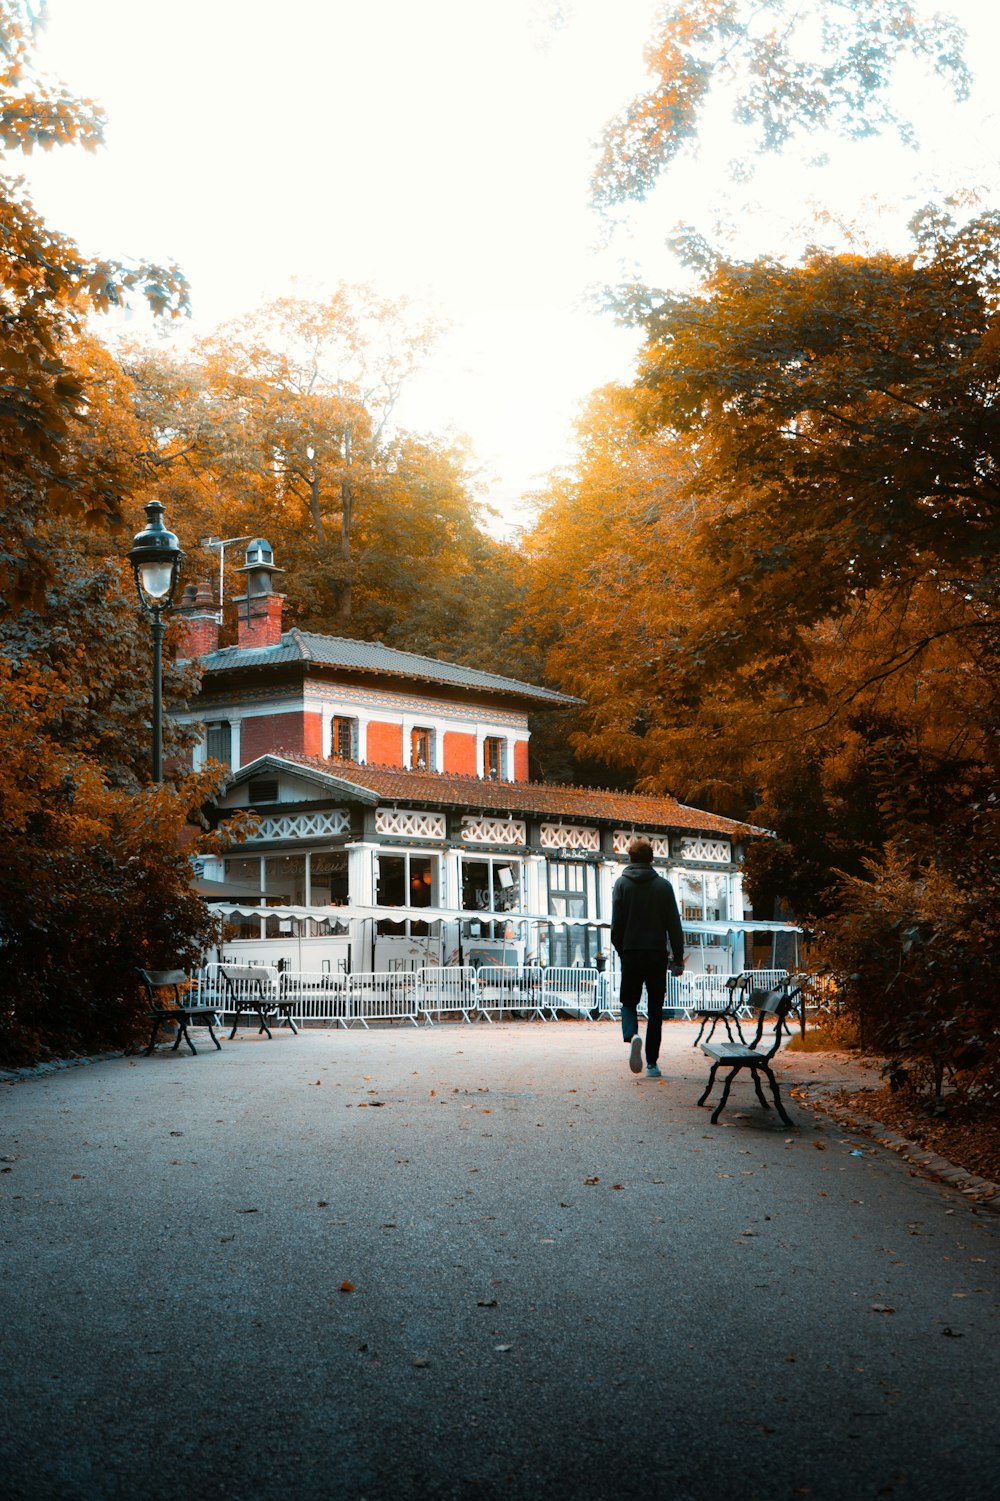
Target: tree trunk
344, 587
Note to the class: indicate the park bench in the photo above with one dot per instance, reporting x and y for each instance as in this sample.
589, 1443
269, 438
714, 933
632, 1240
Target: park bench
772, 1006
247, 987
727, 1007
166, 990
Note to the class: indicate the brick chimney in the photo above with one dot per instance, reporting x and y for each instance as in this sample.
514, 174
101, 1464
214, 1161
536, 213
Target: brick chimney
201, 622
258, 611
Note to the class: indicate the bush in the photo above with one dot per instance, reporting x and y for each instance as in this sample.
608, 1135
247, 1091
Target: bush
915, 944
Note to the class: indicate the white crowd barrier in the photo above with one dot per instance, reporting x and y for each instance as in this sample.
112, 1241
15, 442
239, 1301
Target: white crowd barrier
445, 989
428, 994
512, 988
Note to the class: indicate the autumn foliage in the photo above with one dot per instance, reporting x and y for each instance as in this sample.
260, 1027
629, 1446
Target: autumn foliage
773, 577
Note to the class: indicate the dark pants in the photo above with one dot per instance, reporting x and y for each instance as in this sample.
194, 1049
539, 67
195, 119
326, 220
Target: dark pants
644, 967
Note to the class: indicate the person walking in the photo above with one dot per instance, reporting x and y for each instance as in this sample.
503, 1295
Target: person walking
644, 917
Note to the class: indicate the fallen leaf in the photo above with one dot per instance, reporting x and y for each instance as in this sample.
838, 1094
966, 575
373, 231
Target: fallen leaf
421, 1362
246, 1211
322, 1204
503, 1348
617, 1185
820, 1146
177, 1133
346, 1287
951, 1333
76, 1175
483, 1303
882, 1308
224, 1238
591, 1180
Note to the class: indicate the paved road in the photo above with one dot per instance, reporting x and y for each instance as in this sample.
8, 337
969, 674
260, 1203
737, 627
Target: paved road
476, 1263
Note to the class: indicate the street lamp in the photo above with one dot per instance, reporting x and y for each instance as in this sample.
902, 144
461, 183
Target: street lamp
155, 556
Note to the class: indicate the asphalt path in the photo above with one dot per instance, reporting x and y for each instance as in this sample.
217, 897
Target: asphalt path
477, 1262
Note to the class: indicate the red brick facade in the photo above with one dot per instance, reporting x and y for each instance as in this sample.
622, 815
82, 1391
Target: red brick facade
385, 744
460, 753
275, 732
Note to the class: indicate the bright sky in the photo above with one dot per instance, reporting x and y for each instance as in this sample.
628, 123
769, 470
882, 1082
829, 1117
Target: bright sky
437, 148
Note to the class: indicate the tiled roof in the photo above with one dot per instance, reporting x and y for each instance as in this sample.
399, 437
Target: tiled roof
372, 656
625, 809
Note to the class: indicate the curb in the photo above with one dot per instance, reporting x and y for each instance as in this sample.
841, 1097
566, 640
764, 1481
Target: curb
52, 1066
979, 1191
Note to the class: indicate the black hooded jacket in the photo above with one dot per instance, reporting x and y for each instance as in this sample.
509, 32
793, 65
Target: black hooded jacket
644, 912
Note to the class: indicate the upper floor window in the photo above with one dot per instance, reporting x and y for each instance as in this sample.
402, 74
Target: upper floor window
344, 738
420, 749
494, 758
219, 742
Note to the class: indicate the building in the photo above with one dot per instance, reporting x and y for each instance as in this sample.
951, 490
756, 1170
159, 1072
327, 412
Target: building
398, 828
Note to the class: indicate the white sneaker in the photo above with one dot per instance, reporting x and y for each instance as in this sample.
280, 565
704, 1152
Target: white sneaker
635, 1054
653, 1071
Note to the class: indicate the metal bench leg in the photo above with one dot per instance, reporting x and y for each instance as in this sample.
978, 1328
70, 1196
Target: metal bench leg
777, 1098
725, 1094
263, 1025
182, 1031
711, 1080
704, 1024
152, 1038
211, 1033
760, 1092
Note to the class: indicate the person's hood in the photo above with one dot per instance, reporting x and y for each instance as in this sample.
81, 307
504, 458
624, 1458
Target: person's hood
639, 873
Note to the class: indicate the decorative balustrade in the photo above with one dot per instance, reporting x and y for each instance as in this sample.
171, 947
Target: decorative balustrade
302, 825
502, 831
569, 836
709, 851
405, 823
660, 842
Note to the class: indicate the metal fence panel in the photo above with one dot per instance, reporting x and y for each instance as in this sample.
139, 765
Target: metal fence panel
382, 997
512, 988
572, 990
447, 988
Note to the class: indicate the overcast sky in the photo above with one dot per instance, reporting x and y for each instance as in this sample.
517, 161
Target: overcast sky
438, 148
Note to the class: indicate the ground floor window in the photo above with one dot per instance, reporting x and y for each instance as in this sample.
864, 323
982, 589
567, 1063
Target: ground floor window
490, 884
569, 944
406, 880
328, 885
294, 880
285, 881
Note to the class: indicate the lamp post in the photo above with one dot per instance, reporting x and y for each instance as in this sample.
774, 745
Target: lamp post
155, 556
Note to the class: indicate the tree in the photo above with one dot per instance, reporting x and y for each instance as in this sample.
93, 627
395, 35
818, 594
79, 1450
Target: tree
50, 287
247, 455
93, 880
314, 384
786, 70
812, 634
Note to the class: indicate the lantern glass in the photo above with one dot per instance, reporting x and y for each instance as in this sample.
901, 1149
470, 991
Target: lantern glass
156, 578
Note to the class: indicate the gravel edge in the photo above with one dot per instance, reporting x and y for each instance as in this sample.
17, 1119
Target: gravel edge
979, 1191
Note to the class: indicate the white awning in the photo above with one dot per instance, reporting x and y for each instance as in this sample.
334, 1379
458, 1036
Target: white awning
453, 914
